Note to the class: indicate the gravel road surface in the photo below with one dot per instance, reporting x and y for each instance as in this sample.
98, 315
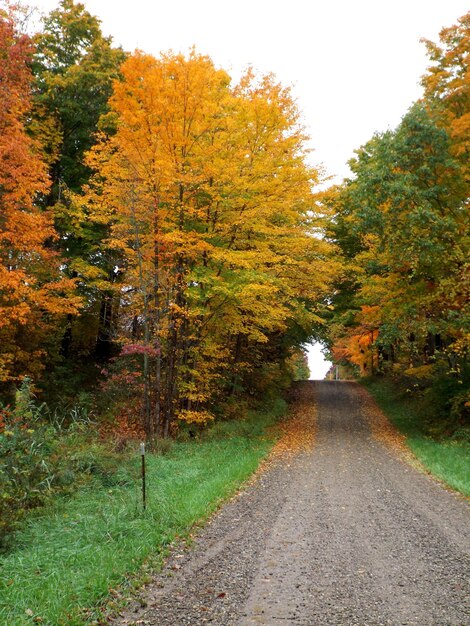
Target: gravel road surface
340, 531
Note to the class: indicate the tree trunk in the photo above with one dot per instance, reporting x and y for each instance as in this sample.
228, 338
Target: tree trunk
103, 348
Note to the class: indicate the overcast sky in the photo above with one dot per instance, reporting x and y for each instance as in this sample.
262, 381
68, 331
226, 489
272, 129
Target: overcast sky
354, 65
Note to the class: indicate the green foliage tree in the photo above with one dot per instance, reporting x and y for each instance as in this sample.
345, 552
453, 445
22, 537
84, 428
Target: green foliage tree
407, 206
74, 67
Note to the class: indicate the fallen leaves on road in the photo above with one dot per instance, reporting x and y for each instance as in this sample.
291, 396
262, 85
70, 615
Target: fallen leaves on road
298, 429
384, 431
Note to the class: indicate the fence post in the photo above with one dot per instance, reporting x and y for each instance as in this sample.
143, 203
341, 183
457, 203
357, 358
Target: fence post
142, 454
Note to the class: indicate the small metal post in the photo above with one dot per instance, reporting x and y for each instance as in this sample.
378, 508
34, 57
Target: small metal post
142, 454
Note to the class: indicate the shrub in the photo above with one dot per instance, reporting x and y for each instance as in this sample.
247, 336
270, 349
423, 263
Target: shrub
42, 454
28, 471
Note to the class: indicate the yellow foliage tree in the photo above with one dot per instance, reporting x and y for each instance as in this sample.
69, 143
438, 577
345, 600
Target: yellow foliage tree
210, 200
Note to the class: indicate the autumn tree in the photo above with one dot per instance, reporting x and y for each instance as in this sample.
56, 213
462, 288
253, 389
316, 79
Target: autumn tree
401, 222
447, 86
407, 206
209, 199
32, 291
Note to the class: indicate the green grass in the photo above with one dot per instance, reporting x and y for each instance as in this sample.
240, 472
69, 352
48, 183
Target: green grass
446, 458
67, 559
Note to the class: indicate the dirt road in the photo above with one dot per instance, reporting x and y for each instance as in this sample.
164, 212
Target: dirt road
343, 533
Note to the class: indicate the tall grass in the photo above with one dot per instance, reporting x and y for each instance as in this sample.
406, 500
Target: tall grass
68, 558
446, 458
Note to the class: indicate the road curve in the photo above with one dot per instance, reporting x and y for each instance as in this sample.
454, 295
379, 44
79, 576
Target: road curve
343, 534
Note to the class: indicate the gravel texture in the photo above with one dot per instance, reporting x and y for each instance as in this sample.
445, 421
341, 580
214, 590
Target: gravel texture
336, 529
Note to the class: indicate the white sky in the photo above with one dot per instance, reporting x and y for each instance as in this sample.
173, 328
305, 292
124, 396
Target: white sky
354, 65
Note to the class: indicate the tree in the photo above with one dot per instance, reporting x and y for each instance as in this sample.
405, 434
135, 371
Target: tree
401, 223
32, 291
75, 66
406, 204
209, 200
447, 86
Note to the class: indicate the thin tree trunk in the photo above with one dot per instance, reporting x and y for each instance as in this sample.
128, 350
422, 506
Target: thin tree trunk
372, 352
157, 330
103, 346
148, 425
175, 336
236, 358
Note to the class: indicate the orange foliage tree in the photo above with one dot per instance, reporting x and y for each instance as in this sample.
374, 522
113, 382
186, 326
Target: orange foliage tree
32, 292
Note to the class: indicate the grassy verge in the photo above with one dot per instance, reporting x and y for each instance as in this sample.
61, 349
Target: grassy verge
70, 557
445, 458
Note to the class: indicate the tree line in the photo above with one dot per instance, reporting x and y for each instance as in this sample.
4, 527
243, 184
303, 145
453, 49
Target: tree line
158, 230
402, 226
163, 247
